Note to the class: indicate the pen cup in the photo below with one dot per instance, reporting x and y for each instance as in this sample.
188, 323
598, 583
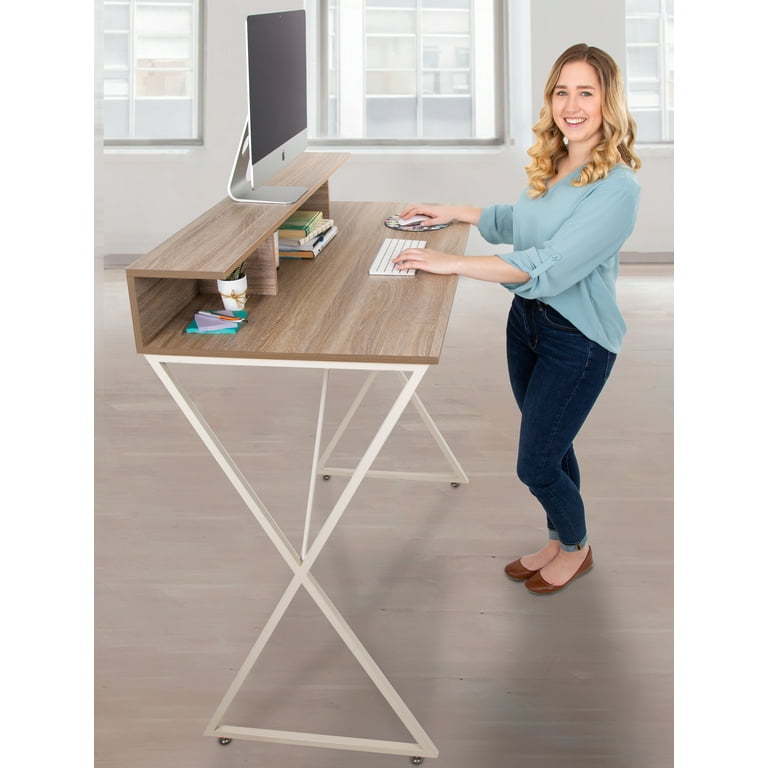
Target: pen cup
233, 292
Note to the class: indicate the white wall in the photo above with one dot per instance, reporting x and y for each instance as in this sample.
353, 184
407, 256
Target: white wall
148, 195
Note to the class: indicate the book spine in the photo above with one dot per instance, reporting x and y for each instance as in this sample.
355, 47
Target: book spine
300, 226
310, 253
303, 232
293, 243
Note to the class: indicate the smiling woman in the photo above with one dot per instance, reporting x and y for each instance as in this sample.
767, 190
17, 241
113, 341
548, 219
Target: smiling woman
586, 86
564, 328
577, 111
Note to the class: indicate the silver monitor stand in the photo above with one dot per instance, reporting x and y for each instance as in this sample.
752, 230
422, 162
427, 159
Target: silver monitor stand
240, 187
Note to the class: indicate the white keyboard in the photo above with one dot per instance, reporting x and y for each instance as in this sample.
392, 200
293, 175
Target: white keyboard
382, 264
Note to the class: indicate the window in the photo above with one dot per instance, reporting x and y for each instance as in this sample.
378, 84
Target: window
152, 71
409, 71
650, 68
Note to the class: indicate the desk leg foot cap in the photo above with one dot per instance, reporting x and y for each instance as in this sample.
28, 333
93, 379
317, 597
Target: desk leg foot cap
223, 741
326, 477
453, 485
417, 760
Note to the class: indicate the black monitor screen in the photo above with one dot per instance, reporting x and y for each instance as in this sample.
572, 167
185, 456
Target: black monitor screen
277, 79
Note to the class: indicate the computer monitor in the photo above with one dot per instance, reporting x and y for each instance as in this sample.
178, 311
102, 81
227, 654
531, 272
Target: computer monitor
276, 125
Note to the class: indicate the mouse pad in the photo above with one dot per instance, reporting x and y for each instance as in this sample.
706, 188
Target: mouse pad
393, 222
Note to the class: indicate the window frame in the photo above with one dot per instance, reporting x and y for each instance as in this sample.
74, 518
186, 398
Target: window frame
198, 60
663, 18
317, 19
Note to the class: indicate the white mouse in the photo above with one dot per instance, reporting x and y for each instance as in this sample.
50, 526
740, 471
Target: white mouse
412, 220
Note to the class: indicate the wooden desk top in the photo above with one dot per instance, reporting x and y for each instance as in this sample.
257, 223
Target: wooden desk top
331, 309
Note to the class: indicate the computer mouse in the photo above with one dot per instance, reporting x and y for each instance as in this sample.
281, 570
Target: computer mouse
413, 220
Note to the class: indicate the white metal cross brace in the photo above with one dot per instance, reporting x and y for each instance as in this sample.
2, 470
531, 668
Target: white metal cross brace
301, 563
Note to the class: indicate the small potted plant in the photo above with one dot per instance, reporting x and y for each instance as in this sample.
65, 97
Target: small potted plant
232, 289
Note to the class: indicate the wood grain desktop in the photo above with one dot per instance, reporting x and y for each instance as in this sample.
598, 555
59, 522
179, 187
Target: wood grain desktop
329, 308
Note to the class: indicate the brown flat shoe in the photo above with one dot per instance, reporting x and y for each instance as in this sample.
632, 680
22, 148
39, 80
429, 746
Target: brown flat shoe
517, 571
540, 586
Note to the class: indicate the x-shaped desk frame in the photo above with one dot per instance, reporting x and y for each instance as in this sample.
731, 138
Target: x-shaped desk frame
301, 563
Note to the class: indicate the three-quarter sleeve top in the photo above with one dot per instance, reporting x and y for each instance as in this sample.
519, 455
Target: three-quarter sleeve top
568, 241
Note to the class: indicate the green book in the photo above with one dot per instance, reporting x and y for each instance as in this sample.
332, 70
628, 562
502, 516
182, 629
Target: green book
300, 223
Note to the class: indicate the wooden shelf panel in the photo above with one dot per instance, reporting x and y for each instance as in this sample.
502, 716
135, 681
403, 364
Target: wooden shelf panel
214, 243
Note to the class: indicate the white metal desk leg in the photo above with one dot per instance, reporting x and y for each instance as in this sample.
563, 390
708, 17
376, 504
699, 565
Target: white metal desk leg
456, 477
313, 473
423, 745
224, 460
369, 379
461, 476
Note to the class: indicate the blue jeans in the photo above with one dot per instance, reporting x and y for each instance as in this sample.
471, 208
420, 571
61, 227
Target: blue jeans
556, 374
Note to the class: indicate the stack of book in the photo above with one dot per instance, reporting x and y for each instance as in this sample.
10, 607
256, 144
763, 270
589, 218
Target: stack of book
304, 234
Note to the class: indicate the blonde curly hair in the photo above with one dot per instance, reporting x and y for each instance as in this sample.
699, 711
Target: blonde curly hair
619, 128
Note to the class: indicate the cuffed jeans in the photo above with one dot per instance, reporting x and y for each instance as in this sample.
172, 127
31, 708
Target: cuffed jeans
556, 374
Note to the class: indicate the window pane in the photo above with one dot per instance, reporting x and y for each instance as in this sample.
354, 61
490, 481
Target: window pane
391, 83
650, 67
644, 99
116, 17
669, 33
168, 20
387, 22
446, 3
391, 118
648, 126
447, 118
116, 51
642, 31
163, 118
446, 23
116, 84
412, 67
162, 83
642, 6
116, 117
445, 83
390, 3
332, 127
391, 53
446, 53
163, 52
643, 63
151, 82
670, 90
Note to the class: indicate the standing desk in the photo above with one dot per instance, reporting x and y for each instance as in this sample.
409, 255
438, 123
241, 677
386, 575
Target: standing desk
326, 314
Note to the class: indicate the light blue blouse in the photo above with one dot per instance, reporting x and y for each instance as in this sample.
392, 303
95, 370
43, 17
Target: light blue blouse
568, 240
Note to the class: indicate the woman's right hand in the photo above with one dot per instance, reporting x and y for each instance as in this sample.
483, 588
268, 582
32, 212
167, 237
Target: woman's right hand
442, 214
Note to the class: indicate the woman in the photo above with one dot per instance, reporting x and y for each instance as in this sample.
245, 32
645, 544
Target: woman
564, 328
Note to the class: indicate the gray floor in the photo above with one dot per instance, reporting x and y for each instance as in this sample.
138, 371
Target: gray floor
185, 577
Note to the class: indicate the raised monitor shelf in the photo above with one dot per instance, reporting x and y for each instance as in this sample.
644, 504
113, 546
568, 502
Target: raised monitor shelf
164, 281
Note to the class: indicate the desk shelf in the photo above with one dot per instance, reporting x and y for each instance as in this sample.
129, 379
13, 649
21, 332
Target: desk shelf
326, 309
329, 308
170, 278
